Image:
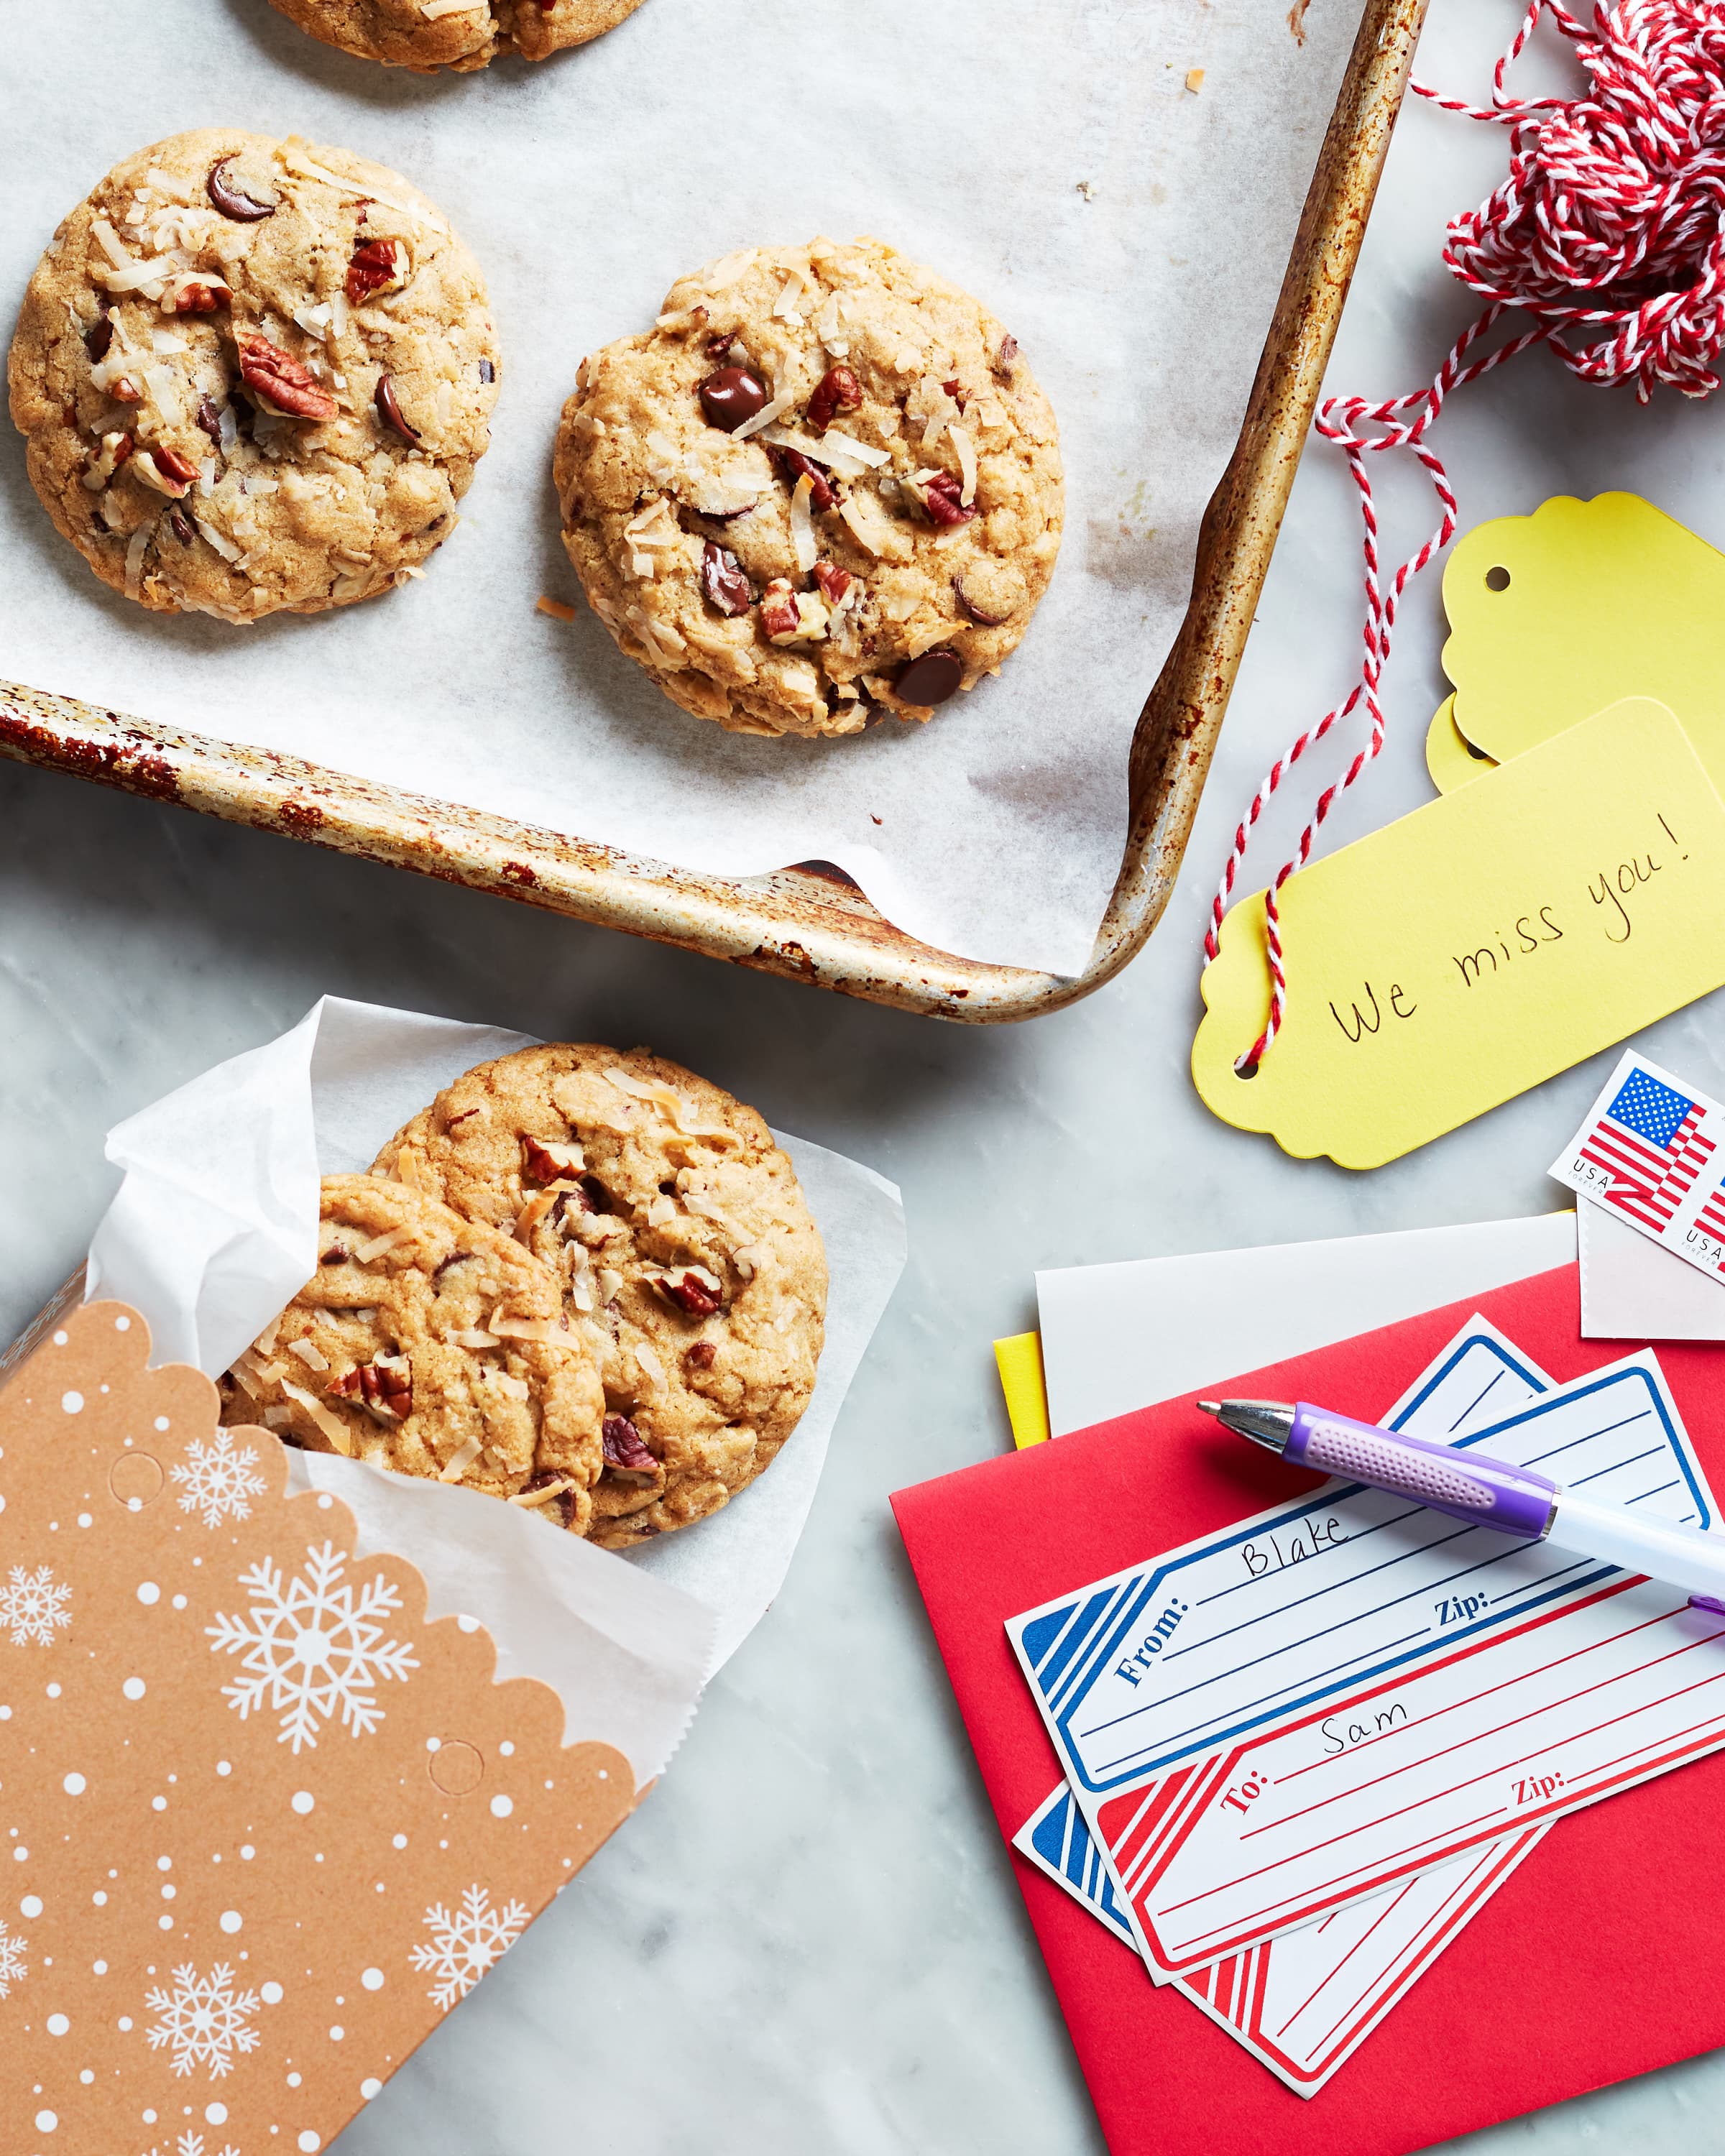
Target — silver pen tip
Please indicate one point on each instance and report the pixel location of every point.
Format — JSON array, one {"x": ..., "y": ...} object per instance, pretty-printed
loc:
[{"x": 1211, "y": 1407}]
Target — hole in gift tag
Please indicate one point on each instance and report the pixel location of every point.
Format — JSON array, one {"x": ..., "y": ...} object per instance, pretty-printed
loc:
[
  {"x": 457, "y": 1768},
  {"x": 135, "y": 1480},
  {"x": 1497, "y": 579}
]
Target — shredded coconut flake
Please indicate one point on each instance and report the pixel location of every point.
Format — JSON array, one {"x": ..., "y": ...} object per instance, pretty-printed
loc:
[
  {"x": 763, "y": 419},
  {"x": 526, "y": 1499},
  {"x": 365, "y": 1252},
  {"x": 472, "y": 1337},
  {"x": 786, "y": 307},
  {"x": 136, "y": 548},
  {"x": 727, "y": 270},
  {"x": 295, "y": 159},
  {"x": 650, "y": 1366},
  {"x": 967, "y": 461},
  {"x": 803, "y": 537},
  {"x": 528, "y": 1328},
  {"x": 558, "y": 609},
  {"x": 461, "y": 1459},
  {"x": 333, "y": 1427},
  {"x": 219, "y": 539},
  {"x": 432, "y": 9},
  {"x": 310, "y": 1354}
]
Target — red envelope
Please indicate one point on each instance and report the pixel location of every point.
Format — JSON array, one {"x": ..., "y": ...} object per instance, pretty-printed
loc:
[{"x": 1598, "y": 1959}]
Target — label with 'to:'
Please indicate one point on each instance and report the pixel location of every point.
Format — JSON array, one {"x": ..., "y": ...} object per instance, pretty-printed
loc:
[{"x": 1559, "y": 903}]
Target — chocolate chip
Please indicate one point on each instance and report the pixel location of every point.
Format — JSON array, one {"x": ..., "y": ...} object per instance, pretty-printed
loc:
[
  {"x": 563, "y": 1505},
  {"x": 972, "y": 612},
  {"x": 487, "y": 371},
  {"x": 794, "y": 465},
  {"x": 455, "y": 1258},
  {"x": 599, "y": 1199},
  {"x": 724, "y": 581},
  {"x": 210, "y": 420},
  {"x": 929, "y": 679},
  {"x": 336, "y": 1255},
  {"x": 732, "y": 397},
  {"x": 233, "y": 201},
  {"x": 100, "y": 334},
  {"x": 389, "y": 411},
  {"x": 181, "y": 526}
]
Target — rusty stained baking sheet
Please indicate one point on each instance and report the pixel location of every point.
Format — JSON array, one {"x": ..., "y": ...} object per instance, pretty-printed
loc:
[{"x": 813, "y": 923}]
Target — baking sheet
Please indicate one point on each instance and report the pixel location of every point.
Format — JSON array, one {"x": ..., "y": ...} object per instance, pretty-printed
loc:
[{"x": 1132, "y": 232}]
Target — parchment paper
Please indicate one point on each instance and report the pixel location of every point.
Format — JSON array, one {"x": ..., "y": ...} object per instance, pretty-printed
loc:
[
  {"x": 215, "y": 1228},
  {"x": 961, "y": 133}
]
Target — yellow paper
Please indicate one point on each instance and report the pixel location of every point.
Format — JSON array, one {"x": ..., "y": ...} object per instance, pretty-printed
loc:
[
  {"x": 1451, "y": 759},
  {"x": 1600, "y": 599},
  {"x": 1492, "y": 938},
  {"x": 1019, "y": 1363}
]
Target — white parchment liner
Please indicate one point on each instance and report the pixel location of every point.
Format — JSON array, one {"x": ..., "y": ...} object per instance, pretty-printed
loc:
[
  {"x": 961, "y": 132},
  {"x": 215, "y": 1228}
]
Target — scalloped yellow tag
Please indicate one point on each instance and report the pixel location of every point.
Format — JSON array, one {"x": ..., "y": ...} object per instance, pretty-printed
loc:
[
  {"x": 1451, "y": 757},
  {"x": 1547, "y": 909},
  {"x": 1558, "y": 615}
]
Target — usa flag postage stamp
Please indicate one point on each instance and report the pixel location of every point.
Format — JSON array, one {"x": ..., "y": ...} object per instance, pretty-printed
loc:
[
  {"x": 1652, "y": 1151},
  {"x": 1304, "y": 2003}
]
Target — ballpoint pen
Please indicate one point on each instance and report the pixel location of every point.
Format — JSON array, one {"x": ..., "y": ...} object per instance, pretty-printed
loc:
[{"x": 1490, "y": 1493}]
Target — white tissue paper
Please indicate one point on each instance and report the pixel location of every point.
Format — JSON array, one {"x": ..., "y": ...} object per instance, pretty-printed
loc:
[
  {"x": 1120, "y": 184},
  {"x": 215, "y": 1229}
]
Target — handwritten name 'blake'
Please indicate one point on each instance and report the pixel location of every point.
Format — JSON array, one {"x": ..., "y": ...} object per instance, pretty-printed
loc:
[{"x": 1612, "y": 892}]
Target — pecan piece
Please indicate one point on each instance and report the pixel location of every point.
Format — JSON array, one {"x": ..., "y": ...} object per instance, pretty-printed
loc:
[
  {"x": 838, "y": 390},
  {"x": 794, "y": 465},
  {"x": 390, "y": 413},
  {"x": 702, "y": 1355},
  {"x": 546, "y": 1163},
  {"x": 724, "y": 582},
  {"x": 383, "y": 1387},
  {"x": 778, "y": 609},
  {"x": 125, "y": 391},
  {"x": 835, "y": 582},
  {"x": 623, "y": 1448},
  {"x": 282, "y": 383},
  {"x": 939, "y": 497},
  {"x": 693, "y": 1289},
  {"x": 199, "y": 298},
  {"x": 1006, "y": 358},
  {"x": 166, "y": 470},
  {"x": 231, "y": 199},
  {"x": 376, "y": 263}
]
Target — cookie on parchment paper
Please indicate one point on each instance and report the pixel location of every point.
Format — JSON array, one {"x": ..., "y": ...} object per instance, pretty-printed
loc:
[
  {"x": 426, "y": 35},
  {"x": 254, "y": 376},
  {"x": 825, "y": 485},
  {"x": 682, "y": 1239},
  {"x": 433, "y": 1345}
]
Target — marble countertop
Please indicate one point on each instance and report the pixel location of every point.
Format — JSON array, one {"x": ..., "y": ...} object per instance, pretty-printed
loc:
[{"x": 809, "y": 1938}]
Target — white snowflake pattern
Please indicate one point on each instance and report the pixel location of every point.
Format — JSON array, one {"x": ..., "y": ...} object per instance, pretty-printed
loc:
[
  {"x": 189, "y": 2144},
  {"x": 204, "y": 2020},
  {"x": 311, "y": 1647},
  {"x": 218, "y": 1479},
  {"x": 32, "y": 1605},
  {"x": 466, "y": 1943},
  {"x": 13, "y": 1966}
]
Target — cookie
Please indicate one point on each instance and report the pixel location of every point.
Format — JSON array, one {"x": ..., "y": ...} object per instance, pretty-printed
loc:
[
  {"x": 686, "y": 1251},
  {"x": 825, "y": 485},
  {"x": 253, "y": 377},
  {"x": 433, "y": 1345},
  {"x": 464, "y": 35}
]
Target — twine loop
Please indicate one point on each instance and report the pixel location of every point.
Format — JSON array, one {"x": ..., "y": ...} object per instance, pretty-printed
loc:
[{"x": 1608, "y": 234}]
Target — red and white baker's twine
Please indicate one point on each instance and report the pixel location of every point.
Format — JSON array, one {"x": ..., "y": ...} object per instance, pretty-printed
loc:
[{"x": 1619, "y": 195}]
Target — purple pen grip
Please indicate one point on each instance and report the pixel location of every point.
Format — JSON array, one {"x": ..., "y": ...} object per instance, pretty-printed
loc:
[{"x": 1516, "y": 1501}]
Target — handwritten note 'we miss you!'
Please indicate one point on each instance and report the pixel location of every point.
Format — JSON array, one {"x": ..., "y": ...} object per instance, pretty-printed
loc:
[{"x": 1477, "y": 946}]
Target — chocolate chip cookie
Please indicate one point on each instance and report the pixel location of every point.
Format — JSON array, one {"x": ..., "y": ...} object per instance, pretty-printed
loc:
[
  {"x": 825, "y": 485},
  {"x": 253, "y": 377},
  {"x": 425, "y": 35},
  {"x": 433, "y": 1345},
  {"x": 684, "y": 1246}
]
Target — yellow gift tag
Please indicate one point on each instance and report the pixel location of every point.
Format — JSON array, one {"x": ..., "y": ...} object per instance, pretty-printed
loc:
[
  {"x": 1492, "y": 938},
  {"x": 1451, "y": 759},
  {"x": 1019, "y": 1363},
  {"x": 1555, "y": 615}
]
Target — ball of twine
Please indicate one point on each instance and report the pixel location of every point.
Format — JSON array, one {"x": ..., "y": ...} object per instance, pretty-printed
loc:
[{"x": 1607, "y": 232}]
